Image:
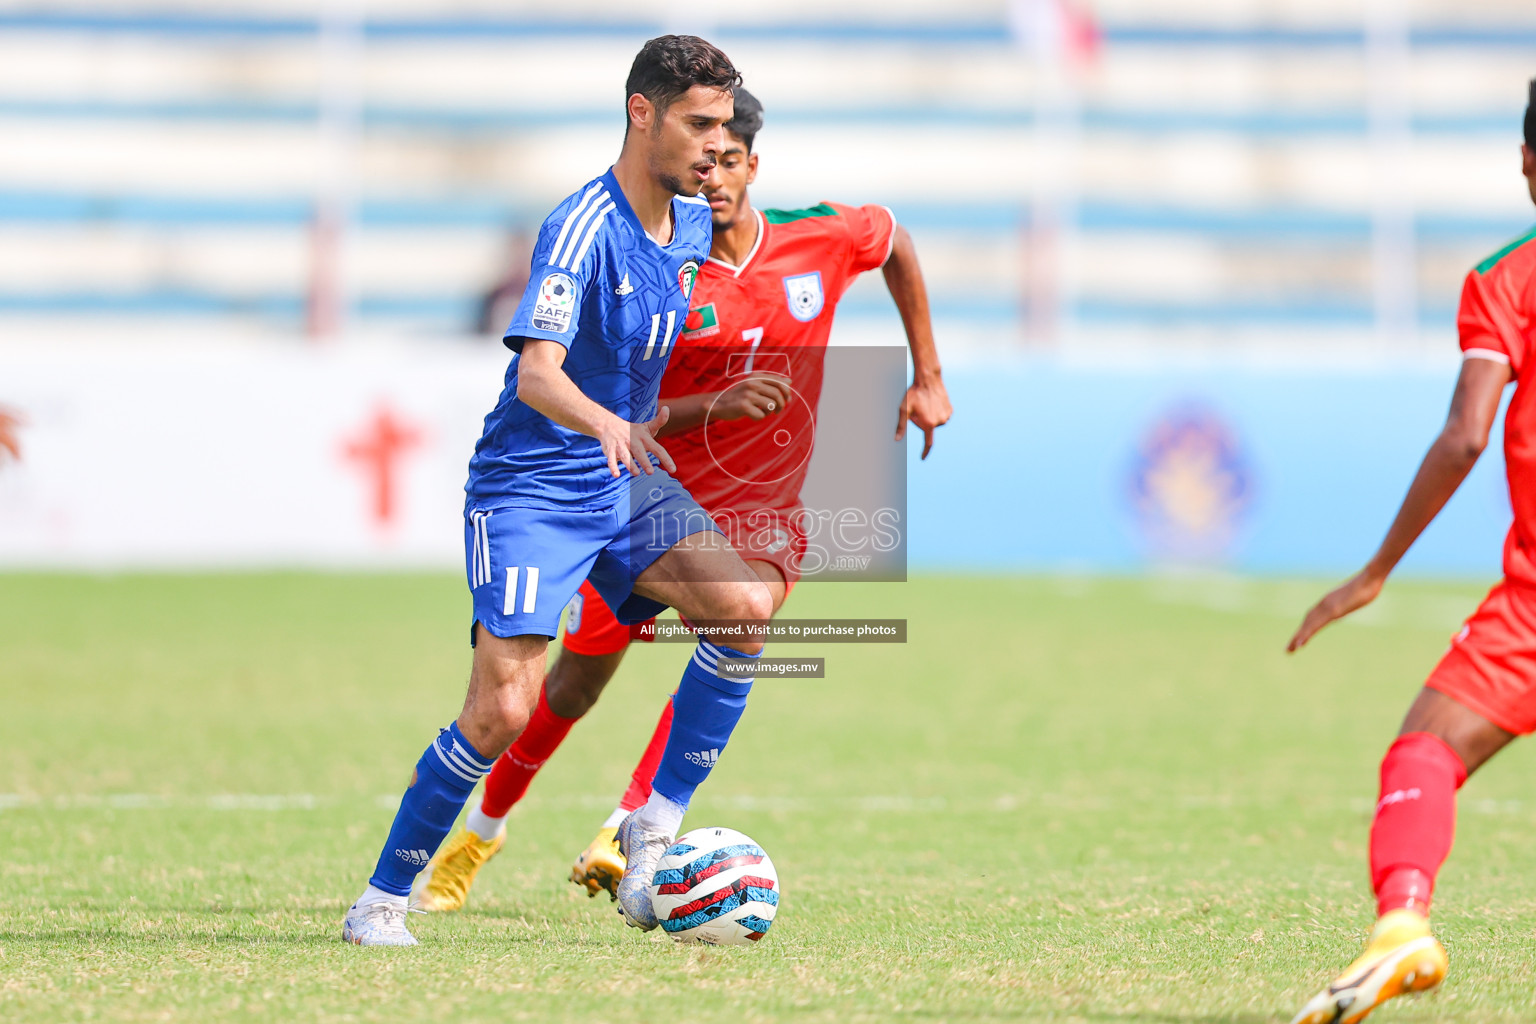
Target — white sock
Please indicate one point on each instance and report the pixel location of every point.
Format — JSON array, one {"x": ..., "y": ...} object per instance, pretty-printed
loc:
[
  {"x": 613, "y": 820},
  {"x": 374, "y": 894},
  {"x": 483, "y": 825},
  {"x": 661, "y": 815}
]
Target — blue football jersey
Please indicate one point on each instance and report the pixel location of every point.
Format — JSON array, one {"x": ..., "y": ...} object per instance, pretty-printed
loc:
[{"x": 616, "y": 299}]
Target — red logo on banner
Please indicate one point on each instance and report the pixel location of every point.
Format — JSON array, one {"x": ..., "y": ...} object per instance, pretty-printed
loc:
[
  {"x": 11, "y": 423},
  {"x": 377, "y": 449}
]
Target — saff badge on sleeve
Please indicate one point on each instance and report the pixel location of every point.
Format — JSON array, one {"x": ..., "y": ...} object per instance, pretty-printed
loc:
[{"x": 555, "y": 304}]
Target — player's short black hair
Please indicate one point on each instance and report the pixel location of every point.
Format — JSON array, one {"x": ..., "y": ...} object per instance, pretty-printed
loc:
[
  {"x": 1530, "y": 117},
  {"x": 668, "y": 66},
  {"x": 748, "y": 119}
]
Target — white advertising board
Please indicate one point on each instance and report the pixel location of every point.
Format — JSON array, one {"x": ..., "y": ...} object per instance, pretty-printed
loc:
[{"x": 160, "y": 455}]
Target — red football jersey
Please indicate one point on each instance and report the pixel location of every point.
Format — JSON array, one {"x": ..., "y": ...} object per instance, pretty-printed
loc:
[
  {"x": 773, "y": 313},
  {"x": 1497, "y": 321}
]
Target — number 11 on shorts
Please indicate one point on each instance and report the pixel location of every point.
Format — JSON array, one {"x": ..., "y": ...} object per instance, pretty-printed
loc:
[{"x": 530, "y": 595}]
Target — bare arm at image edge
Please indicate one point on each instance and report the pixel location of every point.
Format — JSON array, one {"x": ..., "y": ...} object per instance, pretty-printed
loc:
[
  {"x": 926, "y": 402},
  {"x": 1474, "y": 406}
]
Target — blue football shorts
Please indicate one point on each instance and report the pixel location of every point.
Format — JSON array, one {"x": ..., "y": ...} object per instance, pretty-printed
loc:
[{"x": 525, "y": 561}]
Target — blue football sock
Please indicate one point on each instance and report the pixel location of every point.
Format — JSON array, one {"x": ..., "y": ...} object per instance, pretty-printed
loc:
[
  {"x": 445, "y": 776},
  {"x": 705, "y": 709}
]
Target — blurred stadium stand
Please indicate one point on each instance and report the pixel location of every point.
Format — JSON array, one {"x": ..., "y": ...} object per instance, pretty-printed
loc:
[{"x": 1315, "y": 175}]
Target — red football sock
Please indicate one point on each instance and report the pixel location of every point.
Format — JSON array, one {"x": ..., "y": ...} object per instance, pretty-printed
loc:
[
  {"x": 516, "y": 768},
  {"x": 639, "y": 790},
  {"x": 1415, "y": 820}
]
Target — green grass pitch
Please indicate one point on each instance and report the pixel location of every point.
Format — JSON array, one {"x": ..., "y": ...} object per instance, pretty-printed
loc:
[{"x": 1062, "y": 799}]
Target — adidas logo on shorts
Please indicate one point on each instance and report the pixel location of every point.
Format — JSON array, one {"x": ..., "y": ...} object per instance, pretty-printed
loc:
[{"x": 416, "y": 857}]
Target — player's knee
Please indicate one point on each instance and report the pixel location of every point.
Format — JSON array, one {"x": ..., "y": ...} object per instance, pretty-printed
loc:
[
  {"x": 750, "y": 605},
  {"x": 508, "y": 720},
  {"x": 759, "y": 603},
  {"x": 496, "y": 715},
  {"x": 745, "y": 603}
]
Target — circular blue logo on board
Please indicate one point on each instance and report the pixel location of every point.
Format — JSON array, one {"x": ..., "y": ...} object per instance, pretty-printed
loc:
[{"x": 1191, "y": 484}]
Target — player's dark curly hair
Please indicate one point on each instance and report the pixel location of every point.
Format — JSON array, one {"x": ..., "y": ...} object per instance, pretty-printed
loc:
[
  {"x": 748, "y": 119},
  {"x": 668, "y": 66},
  {"x": 1530, "y": 117}
]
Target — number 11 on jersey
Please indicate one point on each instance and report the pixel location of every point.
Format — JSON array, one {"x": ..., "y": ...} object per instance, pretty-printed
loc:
[{"x": 666, "y": 339}]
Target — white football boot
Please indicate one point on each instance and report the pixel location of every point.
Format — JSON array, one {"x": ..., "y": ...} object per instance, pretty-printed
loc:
[
  {"x": 378, "y": 924},
  {"x": 641, "y": 849}
]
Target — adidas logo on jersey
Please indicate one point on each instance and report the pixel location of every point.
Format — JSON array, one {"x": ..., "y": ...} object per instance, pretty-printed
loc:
[
  {"x": 624, "y": 287},
  {"x": 417, "y": 857},
  {"x": 703, "y": 758}
]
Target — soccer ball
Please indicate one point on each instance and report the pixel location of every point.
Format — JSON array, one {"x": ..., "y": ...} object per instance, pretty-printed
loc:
[{"x": 716, "y": 886}]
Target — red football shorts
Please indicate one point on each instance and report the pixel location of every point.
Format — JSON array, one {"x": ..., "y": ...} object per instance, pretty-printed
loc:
[
  {"x": 591, "y": 628},
  {"x": 767, "y": 536},
  {"x": 1491, "y": 666}
]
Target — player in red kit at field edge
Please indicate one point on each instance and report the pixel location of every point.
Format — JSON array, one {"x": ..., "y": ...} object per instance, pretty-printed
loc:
[
  {"x": 742, "y": 388},
  {"x": 1482, "y": 694}
]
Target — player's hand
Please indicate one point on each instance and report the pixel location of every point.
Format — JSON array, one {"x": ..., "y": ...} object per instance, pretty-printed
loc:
[
  {"x": 757, "y": 397},
  {"x": 644, "y": 439},
  {"x": 926, "y": 404},
  {"x": 1357, "y": 592},
  {"x": 9, "y": 422},
  {"x": 631, "y": 444}
]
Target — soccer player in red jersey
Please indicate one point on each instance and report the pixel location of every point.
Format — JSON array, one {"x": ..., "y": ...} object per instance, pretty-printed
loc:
[
  {"x": 1482, "y": 694},
  {"x": 742, "y": 389}
]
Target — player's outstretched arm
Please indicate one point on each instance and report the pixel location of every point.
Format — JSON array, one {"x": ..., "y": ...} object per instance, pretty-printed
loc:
[
  {"x": 926, "y": 402},
  {"x": 1445, "y": 466},
  {"x": 544, "y": 386},
  {"x": 756, "y": 397}
]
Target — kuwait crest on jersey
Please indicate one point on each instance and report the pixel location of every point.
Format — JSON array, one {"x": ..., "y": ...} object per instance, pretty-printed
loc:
[
  {"x": 804, "y": 294},
  {"x": 701, "y": 323},
  {"x": 686, "y": 275}
]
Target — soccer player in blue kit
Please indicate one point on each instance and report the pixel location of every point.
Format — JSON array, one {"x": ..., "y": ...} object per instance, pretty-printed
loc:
[{"x": 568, "y": 483}]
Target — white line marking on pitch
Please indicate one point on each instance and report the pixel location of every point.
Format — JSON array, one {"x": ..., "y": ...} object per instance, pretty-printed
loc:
[{"x": 866, "y": 804}]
